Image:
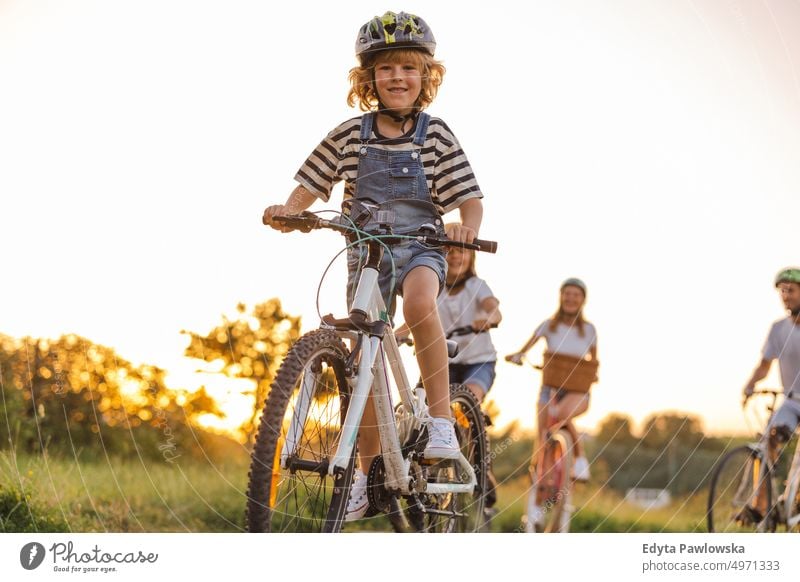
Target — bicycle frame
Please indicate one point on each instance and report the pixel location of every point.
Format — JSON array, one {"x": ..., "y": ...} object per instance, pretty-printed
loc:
[
  {"x": 372, "y": 374},
  {"x": 793, "y": 478},
  {"x": 792, "y": 488}
]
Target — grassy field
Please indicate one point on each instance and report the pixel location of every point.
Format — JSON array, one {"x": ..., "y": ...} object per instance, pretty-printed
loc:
[
  {"x": 602, "y": 510},
  {"x": 97, "y": 495}
]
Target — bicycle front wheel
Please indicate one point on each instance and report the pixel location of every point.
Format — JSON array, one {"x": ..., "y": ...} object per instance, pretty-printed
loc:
[
  {"x": 733, "y": 504},
  {"x": 289, "y": 487}
]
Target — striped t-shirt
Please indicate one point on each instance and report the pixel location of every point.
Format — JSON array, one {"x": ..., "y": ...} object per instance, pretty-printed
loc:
[{"x": 450, "y": 178}]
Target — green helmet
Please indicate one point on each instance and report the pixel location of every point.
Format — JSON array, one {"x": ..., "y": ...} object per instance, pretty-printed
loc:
[
  {"x": 394, "y": 30},
  {"x": 788, "y": 275},
  {"x": 575, "y": 282}
]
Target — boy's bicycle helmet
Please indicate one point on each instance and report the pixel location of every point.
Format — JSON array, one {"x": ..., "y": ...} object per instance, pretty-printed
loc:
[
  {"x": 394, "y": 30},
  {"x": 574, "y": 281},
  {"x": 788, "y": 275}
]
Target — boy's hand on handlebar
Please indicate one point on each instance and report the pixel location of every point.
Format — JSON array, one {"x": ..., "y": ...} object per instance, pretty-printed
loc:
[
  {"x": 460, "y": 233},
  {"x": 275, "y": 210}
]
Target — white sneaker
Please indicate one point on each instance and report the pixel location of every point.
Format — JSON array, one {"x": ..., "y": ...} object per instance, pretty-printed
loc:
[
  {"x": 442, "y": 442},
  {"x": 566, "y": 515},
  {"x": 534, "y": 519},
  {"x": 580, "y": 471},
  {"x": 358, "y": 503}
]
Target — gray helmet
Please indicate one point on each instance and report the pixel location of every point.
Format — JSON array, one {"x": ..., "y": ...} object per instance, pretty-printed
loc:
[
  {"x": 394, "y": 30},
  {"x": 788, "y": 275},
  {"x": 575, "y": 282}
]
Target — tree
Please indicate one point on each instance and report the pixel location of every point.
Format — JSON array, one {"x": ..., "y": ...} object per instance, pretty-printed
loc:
[
  {"x": 661, "y": 429},
  {"x": 251, "y": 346},
  {"x": 70, "y": 393},
  {"x": 616, "y": 429}
]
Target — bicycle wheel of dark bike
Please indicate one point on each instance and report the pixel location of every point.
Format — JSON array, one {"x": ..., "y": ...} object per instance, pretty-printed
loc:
[
  {"x": 458, "y": 512},
  {"x": 732, "y": 495},
  {"x": 289, "y": 487}
]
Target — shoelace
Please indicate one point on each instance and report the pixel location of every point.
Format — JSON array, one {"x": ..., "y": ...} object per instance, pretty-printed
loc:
[
  {"x": 357, "y": 486},
  {"x": 441, "y": 431}
]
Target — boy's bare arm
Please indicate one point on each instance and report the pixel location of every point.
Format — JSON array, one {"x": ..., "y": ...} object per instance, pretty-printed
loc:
[
  {"x": 300, "y": 199},
  {"x": 471, "y": 216}
]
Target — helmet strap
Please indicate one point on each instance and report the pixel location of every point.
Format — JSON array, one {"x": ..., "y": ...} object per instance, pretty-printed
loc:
[{"x": 396, "y": 116}]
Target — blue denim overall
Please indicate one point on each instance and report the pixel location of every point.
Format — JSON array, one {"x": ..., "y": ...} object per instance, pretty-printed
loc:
[{"x": 393, "y": 184}]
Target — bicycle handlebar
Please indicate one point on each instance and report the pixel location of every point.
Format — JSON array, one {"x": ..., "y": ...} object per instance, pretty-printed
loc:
[
  {"x": 767, "y": 391},
  {"x": 761, "y": 392},
  {"x": 307, "y": 221},
  {"x": 459, "y": 331},
  {"x": 468, "y": 329},
  {"x": 522, "y": 361}
]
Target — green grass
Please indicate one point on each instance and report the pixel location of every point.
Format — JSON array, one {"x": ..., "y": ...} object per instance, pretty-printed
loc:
[
  {"x": 602, "y": 510},
  {"x": 93, "y": 494}
]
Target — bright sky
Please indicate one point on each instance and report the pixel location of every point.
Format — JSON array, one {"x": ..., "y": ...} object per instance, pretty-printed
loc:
[{"x": 650, "y": 148}]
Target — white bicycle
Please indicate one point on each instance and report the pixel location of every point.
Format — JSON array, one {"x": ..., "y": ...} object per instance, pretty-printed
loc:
[{"x": 303, "y": 460}]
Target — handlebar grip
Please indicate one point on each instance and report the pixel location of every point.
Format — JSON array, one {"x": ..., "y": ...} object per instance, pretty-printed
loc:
[
  {"x": 305, "y": 222},
  {"x": 487, "y": 246}
]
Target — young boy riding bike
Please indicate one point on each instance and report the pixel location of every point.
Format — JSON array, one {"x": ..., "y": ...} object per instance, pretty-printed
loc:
[{"x": 402, "y": 167}]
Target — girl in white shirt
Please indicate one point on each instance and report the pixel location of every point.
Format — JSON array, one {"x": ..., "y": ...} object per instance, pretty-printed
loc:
[
  {"x": 467, "y": 301},
  {"x": 568, "y": 333}
]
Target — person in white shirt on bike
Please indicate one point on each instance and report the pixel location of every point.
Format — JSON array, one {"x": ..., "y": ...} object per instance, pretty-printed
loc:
[
  {"x": 782, "y": 344},
  {"x": 566, "y": 332}
]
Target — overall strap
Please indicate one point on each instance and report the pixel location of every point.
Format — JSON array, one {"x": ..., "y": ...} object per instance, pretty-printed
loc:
[
  {"x": 422, "y": 129},
  {"x": 366, "y": 126}
]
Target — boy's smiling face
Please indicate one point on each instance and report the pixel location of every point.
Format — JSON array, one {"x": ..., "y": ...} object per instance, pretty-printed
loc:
[{"x": 398, "y": 83}]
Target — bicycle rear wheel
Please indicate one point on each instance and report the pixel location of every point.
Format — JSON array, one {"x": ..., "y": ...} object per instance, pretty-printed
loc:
[
  {"x": 732, "y": 495},
  {"x": 554, "y": 483},
  {"x": 459, "y": 512},
  {"x": 289, "y": 487}
]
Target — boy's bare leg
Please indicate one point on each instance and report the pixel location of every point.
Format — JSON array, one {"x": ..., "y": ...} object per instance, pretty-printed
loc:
[{"x": 420, "y": 289}]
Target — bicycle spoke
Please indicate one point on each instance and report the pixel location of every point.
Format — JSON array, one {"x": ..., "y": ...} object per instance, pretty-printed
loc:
[
  {"x": 734, "y": 491},
  {"x": 308, "y": 401}
]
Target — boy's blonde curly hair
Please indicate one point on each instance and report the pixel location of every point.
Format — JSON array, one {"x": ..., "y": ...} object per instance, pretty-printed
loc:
[{"x": 362, "y": 78}]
